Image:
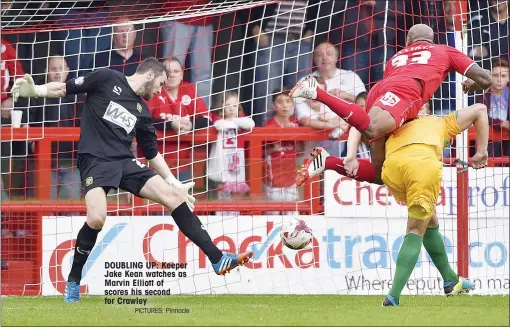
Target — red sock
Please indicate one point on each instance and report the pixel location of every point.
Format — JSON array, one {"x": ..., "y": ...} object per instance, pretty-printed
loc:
[
  {"x": 353, "y": 114},
  {"x": 366, "y": 171}
]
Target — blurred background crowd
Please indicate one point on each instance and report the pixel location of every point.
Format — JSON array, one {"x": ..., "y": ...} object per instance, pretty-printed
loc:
[{"x": 232, "y": 71}]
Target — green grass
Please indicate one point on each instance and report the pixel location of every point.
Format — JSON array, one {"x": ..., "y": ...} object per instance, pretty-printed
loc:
[{"x": 261, "y": 310}]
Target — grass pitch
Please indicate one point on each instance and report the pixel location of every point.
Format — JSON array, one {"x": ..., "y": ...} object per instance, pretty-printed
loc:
[{"x": 259, "y": 310}]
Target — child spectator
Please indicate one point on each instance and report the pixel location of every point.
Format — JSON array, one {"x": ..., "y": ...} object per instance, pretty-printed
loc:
[
  {"x": 281, "y": 170},
  {"x": 179, "y": 109},
  {"x": 225, "y": 168},
  {"x": 318, "y": 116},
  {"x": 498, "y": 101}
]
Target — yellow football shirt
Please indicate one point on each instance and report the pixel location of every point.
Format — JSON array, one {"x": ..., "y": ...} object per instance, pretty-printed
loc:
[{"x": 431, "y": 130}]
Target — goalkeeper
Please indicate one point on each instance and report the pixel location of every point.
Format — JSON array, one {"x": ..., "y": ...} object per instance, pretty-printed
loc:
[
  {"x": 114, "y": 114},
  {"x": 412, "y": 170}
]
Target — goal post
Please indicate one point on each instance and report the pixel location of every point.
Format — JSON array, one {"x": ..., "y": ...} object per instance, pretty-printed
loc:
[
  {"x": 462, "y": 145},
  {"x": 240, "y": 55}
]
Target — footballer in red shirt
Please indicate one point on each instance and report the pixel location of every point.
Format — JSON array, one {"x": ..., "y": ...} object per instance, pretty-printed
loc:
[
  {"x": 177, "y": 108},
  {"x": 411, "y": 76}
]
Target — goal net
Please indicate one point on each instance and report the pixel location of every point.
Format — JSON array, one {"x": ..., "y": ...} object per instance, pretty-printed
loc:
[{"x": 225, "y": 122}]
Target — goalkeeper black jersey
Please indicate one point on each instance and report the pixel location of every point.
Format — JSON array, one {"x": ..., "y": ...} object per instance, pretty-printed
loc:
[{"x": 113, "y": 114}]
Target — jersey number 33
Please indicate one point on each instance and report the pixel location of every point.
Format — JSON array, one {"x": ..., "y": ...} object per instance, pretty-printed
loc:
[{"x": 420, "y": 57}]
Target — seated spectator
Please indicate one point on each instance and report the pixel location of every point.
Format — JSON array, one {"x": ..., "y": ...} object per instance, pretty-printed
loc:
[
  {"x": 488, "y": 33},
  {"x": 61, "y": 112},
  {"x": 179, "y": 109},
  {"x": 123, "y": 56},
  {"x": 226, "y": 164},
  {"x": 193, "y": 37},
  {"x": 281, "y": 157},
  {"x": 344, "y": 84},
  {"x": 498, "y": 101},
  {"x": 312, "y": 113}
]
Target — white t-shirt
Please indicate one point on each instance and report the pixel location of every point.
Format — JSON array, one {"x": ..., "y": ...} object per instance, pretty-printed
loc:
[
  {"x": 344, "y": 80},
  {"x": 226, "y": 160}
]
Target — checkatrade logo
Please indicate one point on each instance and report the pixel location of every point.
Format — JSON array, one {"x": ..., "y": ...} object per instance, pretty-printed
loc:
[{"x": 349, "y": 252}]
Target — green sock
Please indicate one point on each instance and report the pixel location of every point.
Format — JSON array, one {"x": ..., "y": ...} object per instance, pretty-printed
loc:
[
  {"x": 407, "y": 258},
  {"x": 433, "y": 243}
]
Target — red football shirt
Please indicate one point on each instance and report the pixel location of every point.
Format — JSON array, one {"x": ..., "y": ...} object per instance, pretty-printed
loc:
[
  {"x": 282, "y": 166},
  {"x": 186, "y": 105},
  {"x": 429, "y": 63},
  {"x": 10, "y": 67}
]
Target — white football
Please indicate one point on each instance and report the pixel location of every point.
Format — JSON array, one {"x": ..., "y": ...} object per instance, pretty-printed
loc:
[{"x": 295, "y": 234}]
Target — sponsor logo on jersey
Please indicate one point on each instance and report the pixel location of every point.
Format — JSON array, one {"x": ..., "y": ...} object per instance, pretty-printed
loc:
[
  {"x": 347, "y": 118},
  {"x": 186, "y": 100},
  {"x": 79, "y": 80},
  {"x": 390, "y": 99},
  {"x": 139, "y": 107},
  {"x": 89, "y": 181},
  {"x": 120, "y": 116},
  {"x": 117, "y": 90}
]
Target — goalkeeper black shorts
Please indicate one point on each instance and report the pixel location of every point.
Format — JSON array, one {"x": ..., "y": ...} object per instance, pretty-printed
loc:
[{"x": 127, "y": 174}]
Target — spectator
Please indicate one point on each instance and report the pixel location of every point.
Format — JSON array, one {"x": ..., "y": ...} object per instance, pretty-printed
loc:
[
  {"x": 179, "y": 109},
  {"x": 281, "y": 156},
  {"x": 6, "y": 107},
  {"x": 489, "y": 33},
  {"x": 363, "y": 37},
  {"x": 17, "y": 156},
  {"x": 445, "y": 97},
  {"x": 79, "y": 46},
  {"x": 363, "y": 149},
  {"x": 226, "y": 164},
  {"x": 123, "y": 56},
  {"x": 61, "y": 112},
  {"x": 345, "y": 84},
  {"x": 282, "y": 50},
  {"x": 281, "y": 60},
  {"x": 193, "y": 37},
  {"x": 18, "y": 163},
  {"x": 498, "y": 101},
  {"x": 316, "y": 115},
  {"x": 10, "y": 67}
]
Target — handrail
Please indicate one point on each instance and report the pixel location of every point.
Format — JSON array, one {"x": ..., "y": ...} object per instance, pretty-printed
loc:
[{"x": 254, "y": 142}]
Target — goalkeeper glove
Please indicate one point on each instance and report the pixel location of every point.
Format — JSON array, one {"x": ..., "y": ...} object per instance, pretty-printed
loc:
[
  {"x": 183, "y": 189},
  {"x": 25, "y": 87}
]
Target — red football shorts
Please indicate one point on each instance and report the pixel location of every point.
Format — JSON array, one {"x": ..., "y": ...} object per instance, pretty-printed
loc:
[{"x": 400, "y": 97}]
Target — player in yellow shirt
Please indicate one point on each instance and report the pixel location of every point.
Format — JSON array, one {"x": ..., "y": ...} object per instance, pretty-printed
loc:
[{"x": 412, "y": 170}]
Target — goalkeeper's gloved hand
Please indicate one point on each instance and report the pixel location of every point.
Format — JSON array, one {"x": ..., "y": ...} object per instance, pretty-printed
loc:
[
  {"x": 25, "y": 87},
  {"x": 183, "y": 189}
]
